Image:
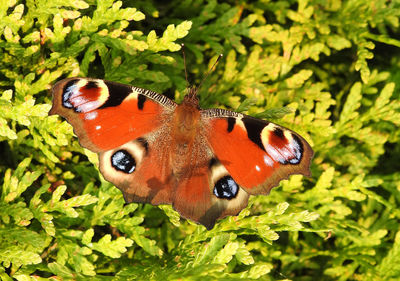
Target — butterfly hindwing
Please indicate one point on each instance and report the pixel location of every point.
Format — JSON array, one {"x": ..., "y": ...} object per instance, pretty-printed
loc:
[
  {"x": 142, "y": 174},
  {"x": 106, "y": 114},
  {"x": 257, "y": 154},
  {"x": 206, "y": 192}
]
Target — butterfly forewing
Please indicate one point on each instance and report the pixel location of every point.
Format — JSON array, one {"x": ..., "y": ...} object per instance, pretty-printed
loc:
[
  {"x": 106, "y": 114},
  {"x": 257, "y": 154}
]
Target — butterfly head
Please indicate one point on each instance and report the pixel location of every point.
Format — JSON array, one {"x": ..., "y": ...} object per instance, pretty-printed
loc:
[{"x": 191, "y": 98}]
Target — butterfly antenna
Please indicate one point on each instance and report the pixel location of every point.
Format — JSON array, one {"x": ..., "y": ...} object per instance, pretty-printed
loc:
[
  {"x": 184, "y": 63},
  {"x": 209, "y": 71}
]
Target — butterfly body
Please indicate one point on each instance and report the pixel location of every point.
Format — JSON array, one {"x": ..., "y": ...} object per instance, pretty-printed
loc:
[
  {"x": 205, "y": 163},
  {"x": 186, "y": 122}
]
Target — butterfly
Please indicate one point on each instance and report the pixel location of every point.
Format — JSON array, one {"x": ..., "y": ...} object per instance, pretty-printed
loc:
[{"x": 206, "y": 163}]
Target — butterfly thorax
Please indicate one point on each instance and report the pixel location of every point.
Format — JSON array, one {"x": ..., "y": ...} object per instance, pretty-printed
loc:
[{"x": 186, "y": 121}]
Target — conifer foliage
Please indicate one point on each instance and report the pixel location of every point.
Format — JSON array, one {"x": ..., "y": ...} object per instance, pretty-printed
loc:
[{"x": 327, "y": 69}]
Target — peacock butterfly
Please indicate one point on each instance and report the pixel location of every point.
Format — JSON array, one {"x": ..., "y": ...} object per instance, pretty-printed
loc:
[{"x": 205, "y": 163}]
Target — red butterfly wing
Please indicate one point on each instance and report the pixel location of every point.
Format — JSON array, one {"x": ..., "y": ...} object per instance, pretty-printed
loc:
[
  {"x": 120, "y": 123},
  {"x": 198, "y": 192},
  {"x": 257, "y": 154},
  {"x": 106, "y": 114},
  {"x": 142, "y": 174}
]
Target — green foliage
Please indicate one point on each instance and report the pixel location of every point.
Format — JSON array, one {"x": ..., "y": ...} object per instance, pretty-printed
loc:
[{"x": 327, "y": 69}]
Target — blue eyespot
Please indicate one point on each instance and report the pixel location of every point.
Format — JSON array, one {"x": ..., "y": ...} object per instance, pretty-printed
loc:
[
  {"x": 226, "y": 188},
  {"x": 123, "y": 161}
]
